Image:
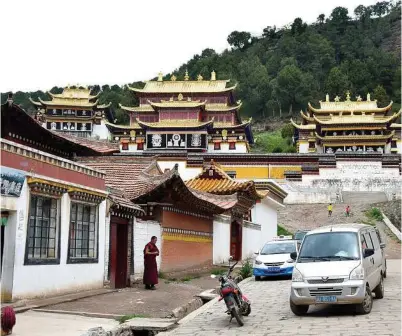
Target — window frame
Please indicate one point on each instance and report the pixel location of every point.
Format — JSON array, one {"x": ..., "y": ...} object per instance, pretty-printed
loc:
[
  {"x": 39, "y": 261},
  {"x": 124, "y": 146},
  {"x": 140, "y": 144},
  {"x": 232, "y": 145},
  {"x": 217, "y": 146},
  {"x": 84, "y": 260}
]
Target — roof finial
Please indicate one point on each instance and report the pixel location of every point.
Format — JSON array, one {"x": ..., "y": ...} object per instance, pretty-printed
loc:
[
  {"x": 358, "y": 98},
  {"x": 200, "y": 77},
  {"x": 368, "y": 97},
  {"x": 160, "y": 76},
  {"x": 327, "y": 97},
  {"x": 213, "y": 75},
  {"x": 186, "y": 76},
  {"x": 173, "y": 78},
  {"x": 337, "y": 99},
  {"x": 347, "y": 95}
]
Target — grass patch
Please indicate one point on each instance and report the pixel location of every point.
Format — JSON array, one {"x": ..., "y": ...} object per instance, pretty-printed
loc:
[
  {"x": 125, "y": 318},
  {"x": 219, "y": 271},
  {"x": 272, "y": 142},
  {"x": 162, "y": 275},
  {"x": 246, "y": 270},
  {"x": 374, "y": 214},
  {"x": 283, "y": 232},
  {"x": 188, "y": 278}
]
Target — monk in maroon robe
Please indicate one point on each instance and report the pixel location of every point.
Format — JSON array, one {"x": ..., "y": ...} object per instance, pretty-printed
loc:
[{"x": 150, "y": 266}]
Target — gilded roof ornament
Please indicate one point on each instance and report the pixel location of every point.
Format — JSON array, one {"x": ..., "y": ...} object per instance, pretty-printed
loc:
[
  {"x": 358, "y": 98},
  {"x": 173, "y": 78},
  {"x": 186, "y": 76},
  {"x": 337, "y": 99},
  {"x": 213, "y": 75},
  {"x": 180, "y": 97},
  {"x": 189, "y": 99},
  {"x": 368, "y": 97},
  {"x": 347, "y": 95},
  {"x": 171, "y": 99},
  {"x": 160, "y": 77},
  {"x": 327, "y": 97},
  {"x": 200, "y": 78}
]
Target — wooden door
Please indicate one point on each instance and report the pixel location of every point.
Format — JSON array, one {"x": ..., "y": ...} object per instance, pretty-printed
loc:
[
  {"x": 236, "y": 240},
  {"x": 118, "y": 253}
]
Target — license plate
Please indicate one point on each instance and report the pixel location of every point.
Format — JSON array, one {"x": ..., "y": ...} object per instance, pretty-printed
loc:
[
  {"x": 273, "y": 269},
  {"x": 325, "y": 299}
]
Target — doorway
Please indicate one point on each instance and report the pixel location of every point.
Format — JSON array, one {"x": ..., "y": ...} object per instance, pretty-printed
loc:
[
  {"x": 118, "y": 252},
  {"x": 236, "y": 240}
]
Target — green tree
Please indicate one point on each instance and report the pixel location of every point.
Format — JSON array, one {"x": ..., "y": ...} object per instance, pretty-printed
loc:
[
  {"x": 337, "y": 82},
  {"x": 381, "y": 95},
  {"x": 287, "y": 131},
  {"x": 239, "y": 40}
]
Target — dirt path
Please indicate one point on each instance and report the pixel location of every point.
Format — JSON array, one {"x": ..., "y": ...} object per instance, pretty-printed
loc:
[{"x": 141, "y": 302}]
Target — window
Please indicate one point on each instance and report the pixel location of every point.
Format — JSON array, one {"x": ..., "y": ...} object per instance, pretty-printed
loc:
[
  {"x": 140, "y": 146},
  {"x": 369, "y": 242},
  {"x": 232, "y": 145},
  {"x": 217, "y": 145},
  {"x": 43, "y": 231},
  {"x": 393, "y": 144},
  {"x": 375, "y": 240},
  {"x": 124, "y": 146},
  {"x": 83, "y": 242}
]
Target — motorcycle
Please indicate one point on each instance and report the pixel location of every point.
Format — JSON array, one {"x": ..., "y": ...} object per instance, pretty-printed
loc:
[{"x": 236, "y": 302}]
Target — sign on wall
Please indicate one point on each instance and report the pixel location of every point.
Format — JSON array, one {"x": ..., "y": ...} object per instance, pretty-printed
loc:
[
  {"x": 12, "y": 181},
  {"x": 177, "y": 141}
]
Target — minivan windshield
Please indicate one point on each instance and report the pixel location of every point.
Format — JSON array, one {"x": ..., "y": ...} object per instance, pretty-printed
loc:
[
  {"x": 278, "y": 248},
  {"x": 300, "y": 235},
  {"x": 330, "y": 246}
]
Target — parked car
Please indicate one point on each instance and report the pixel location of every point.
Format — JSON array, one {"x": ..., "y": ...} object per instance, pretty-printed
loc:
[
  {"x": 299, "y": 235},
  {"x": 338, "y": 264},
  {"x": 274, "y": 258}
]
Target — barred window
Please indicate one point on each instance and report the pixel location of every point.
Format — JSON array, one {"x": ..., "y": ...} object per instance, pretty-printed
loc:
[
  {"x": 43, "y": 231},
  {"x": 83, "y": 244}
]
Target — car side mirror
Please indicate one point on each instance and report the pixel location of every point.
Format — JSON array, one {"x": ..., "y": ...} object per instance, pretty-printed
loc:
[
  {"x": 368, "y": 252},
  {"x": 382, "y": 245},
  {"x": 230, "y": 258},
  {"x": 257, "y": 252},
  {"x": 293, "y": 255}
]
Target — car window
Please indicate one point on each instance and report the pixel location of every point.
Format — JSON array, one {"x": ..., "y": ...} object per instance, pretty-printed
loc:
[
  {"x": 363, "y": 241},
  {"x": 369, "y": 242},
  {"x": 332, "y": 245},
  {"x": 280, "y": 248},
  {"x": 375, "y": 241}
]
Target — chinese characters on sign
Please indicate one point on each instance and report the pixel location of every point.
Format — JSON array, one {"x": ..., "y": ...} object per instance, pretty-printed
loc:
[{"x": 12, "y": 181}]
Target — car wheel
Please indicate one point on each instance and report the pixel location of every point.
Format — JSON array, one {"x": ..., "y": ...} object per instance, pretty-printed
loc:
[
  {"x": 379, "y": 290},
  {"x": 257, "y": 278},
  {"x": 298, "y": 310},
  {"x": 367, "y": 304}
]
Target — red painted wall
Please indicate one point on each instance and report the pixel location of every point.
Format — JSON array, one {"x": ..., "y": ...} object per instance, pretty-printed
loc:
[{"x": 13, "y": 160}]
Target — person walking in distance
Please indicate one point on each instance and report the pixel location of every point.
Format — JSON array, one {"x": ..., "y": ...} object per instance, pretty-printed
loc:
[
  {"x": 348, "y": 211},
  {"x": 150, "y": 267},
  {"x": 330, "y": 210}
]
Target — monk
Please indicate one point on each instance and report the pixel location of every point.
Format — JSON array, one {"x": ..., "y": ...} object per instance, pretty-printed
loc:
[{"x": 150, "y": 267}]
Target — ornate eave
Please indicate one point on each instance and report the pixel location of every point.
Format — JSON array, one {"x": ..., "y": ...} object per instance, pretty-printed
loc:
[
  {"x": 143, "y": 108},
  {"x": 174, "y": 124},
  {"x": 122, "y": 127},
  {"x": 104, "y": 106},
  {"x": 177, "y": 104},
  {"x": 303, "y": 127},
  {"x": 224, "y": 108},
  {"x": 213, "y": 86},
  {"x": 230, "y": 126},
  {"x": 306, "y": 117},
  {"x": 356, "y": 119},
  {"x": 35, "y": 102},
  {"x": 355, "y": 137},
  {"x": 68, "y": 102},
  {"x": 352, "y": 106}
]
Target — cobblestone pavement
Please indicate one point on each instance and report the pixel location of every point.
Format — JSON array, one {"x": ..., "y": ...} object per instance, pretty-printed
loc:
[{"x": 271, "y": 314}]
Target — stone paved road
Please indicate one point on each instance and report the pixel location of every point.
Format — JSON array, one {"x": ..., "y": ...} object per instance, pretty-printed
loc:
[{"x": 271, "y": 314}]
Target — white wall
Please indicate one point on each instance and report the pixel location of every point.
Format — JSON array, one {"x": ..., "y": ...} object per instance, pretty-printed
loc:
[
  {"x": 303, "y": 147},
  {"x": 132, "y": 147},
  {"x": 42, "y": 280},
  {"x": 107, "y": 245},
  {"x": 185, "y": 172},
  {"x": 221, "y": 240},
  {"x": 251, "y": 239},
  {"x": 241, "y": 147},
  {"x": 142, "y": 233},
  {"x": 100, "y": 130},
  {"x": 265, "y": 214}
]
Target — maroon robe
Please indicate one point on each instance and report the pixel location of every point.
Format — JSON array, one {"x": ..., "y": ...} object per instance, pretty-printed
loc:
[{"x": 150, "y": 266}]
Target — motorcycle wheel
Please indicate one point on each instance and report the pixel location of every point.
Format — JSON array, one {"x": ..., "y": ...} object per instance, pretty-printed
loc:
[
  {"x": 248, "y": 310},
  {"x": 237, "y": 316}
]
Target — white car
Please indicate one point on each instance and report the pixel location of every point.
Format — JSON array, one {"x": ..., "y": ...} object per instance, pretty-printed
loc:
[{"x": 274, "y": 258}]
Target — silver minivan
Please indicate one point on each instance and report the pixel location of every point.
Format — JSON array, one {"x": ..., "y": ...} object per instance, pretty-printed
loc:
[{"x": 338, "y": 264}]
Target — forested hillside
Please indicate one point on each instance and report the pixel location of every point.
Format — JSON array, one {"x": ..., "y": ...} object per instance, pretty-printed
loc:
[{"x": 284, "y": 68}]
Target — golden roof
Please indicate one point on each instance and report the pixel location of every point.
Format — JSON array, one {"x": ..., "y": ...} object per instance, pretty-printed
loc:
[
  {"x": 348, "y": 105},
  {"x": 230, "y": 125},
  {"x": 123, "y": 127},
  {"x": 306, "y": 117},
  {"x": 198, "y": 86},
  {"x": 74, "y": 97},
  {"x": 395, "y": 125},
  {"x": 356, "y": 137},
  {"x": 177, "y": 103},
  {"x": 356, "y": 119},
  {"x": 185, "y": 123},
  {"x": 215, "y": 181},
  {"x": 222, "y": 107},
  {"x": 304, "y": 127},
  {"x": 142, "y": 108}
]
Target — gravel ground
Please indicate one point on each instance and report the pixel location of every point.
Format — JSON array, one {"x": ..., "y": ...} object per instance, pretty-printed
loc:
[{"x": 138, "y": 301}]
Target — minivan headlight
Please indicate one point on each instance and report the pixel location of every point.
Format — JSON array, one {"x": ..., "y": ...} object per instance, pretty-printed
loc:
[
  {"x": 258, "y": 262},
  {"x": 357, "y": 273},
  {"x": 296, "y": 275}
]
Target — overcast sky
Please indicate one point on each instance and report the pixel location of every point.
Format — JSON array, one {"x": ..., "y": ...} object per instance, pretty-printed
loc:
[{"x": 55, "y": 43}]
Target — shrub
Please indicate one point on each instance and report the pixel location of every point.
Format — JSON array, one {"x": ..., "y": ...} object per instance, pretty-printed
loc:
[
  {"x": 277, "y": 150},
  {"x": 375, "y": 213},
  {"x": 246, "y": 270},
  {"x": 281, "y": 231}
]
